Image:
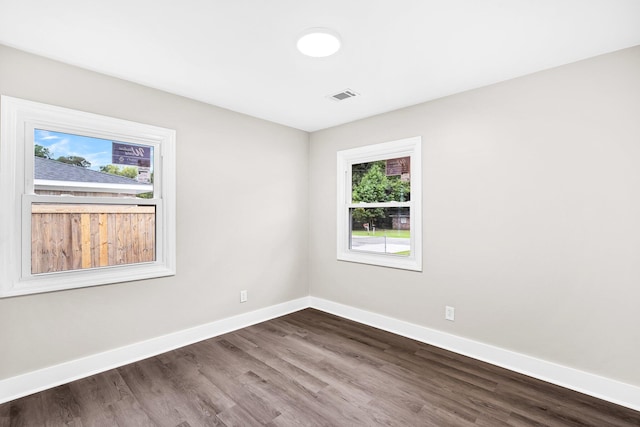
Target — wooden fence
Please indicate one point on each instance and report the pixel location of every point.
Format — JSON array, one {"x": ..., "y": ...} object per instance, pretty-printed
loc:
[{"x": 71, "y": 237}]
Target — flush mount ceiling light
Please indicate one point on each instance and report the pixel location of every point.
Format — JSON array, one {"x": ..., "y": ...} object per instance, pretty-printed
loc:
[{"x": 319, "y": 42}]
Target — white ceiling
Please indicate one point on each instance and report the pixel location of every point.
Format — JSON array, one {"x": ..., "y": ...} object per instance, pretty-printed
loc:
[{"x": 241, "y": 55}]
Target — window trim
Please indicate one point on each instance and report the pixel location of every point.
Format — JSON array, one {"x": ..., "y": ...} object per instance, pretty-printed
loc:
[
  {"x": 408, "y": 147},
  {"x": 18, "y": 118}
]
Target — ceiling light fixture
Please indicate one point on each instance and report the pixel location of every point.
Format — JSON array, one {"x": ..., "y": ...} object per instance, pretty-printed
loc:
[{"x": 319, "y": 42}]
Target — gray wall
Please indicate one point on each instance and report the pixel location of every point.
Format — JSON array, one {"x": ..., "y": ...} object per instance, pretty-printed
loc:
[
  {"x": 531, "y": 216},
  {"x": 237, "y": 179}
]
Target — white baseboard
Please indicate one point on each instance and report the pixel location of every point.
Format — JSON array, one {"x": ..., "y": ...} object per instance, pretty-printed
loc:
[
  {"x": 584, "y": 382},
  {"x": 42, "y": 379},
  {"x": 603, "y": 388}
]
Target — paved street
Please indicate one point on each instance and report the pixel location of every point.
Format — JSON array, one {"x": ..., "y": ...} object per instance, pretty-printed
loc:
[{"x": 380, "y": 244}]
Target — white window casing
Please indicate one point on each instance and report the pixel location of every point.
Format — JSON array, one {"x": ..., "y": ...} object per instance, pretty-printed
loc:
[
  {"x": 18, "y": 120},
  {"x": 409, "y": 147}
]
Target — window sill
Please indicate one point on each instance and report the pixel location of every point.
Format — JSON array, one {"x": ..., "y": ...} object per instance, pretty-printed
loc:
[
  {"x": 73, "y": 279},
  {"x": 383, "y": 260}
]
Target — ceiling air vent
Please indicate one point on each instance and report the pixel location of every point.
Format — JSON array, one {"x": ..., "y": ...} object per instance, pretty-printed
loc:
[{"x": 345, "y": 94}]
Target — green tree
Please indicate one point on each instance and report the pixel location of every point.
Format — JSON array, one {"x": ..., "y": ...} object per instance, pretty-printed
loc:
[
  {"x": 75, "y": 160},
  {"x": 41, "y": 151},
  {"x": 128, "y": 171},
  {"x": 112, "y": 169},
  {"x": 371, "y": 184}
]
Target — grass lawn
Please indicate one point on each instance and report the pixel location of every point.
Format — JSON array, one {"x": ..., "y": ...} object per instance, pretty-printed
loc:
[{"x": 379, "y": 232}]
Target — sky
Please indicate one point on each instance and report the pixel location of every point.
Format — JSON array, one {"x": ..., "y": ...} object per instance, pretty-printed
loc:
[{"x": 95, "y": 150}]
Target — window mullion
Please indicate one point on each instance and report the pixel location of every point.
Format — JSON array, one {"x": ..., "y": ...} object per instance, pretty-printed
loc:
[{"x": 379, "y": 205}]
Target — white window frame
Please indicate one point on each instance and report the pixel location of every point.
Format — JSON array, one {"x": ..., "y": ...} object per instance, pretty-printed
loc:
[
  {"x": 409, "y": 147},
  {"x": 17, "y": 121}
]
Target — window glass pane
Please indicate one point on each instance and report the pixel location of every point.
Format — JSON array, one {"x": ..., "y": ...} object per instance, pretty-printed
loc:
[
  {"x": 382, "y": 181},
  {"x": 72, "y": 236},
  {"x": 380, "y": 230},
  {"x": 86, "y": 166}
]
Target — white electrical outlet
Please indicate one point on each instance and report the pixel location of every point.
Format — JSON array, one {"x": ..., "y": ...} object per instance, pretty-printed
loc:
[
  {"x": 449, "y": 313},
  {"x": 243, "y": 296}
]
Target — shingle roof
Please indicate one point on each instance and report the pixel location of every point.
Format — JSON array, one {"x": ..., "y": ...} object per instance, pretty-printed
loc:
[{"x": 52, "y": 170}]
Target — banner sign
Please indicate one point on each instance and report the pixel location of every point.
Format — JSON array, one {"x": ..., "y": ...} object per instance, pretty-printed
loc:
[
  {"x": 130, "y": 155},
  {"x": 398, "y": 166}
]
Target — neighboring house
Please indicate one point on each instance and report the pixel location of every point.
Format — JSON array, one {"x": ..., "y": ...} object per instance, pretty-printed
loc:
[{"x": 54, "y": 178}]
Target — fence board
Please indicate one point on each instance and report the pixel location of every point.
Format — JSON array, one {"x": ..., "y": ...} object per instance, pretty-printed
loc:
[
  {"x": 46, "y": 243},
  {"x": 76, "y": 241},
  {"x": 103, "y": 240},
  {"x": 111, "y": 241},
  {"x": 36, "y": 246},
  {"x": 66, "y": 249},
  {"x": 120, "y": 239},
  {"x": 85, "y": 243}
]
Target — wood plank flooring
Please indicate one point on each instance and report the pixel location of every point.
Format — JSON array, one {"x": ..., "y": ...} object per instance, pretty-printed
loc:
[{"x": 311, "y": 369}]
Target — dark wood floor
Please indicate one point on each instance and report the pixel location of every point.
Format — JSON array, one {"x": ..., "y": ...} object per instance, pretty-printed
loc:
[{"x": 311, "y": 369}]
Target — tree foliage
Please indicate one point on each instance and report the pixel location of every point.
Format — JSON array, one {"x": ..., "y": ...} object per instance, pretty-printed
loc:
[
  {"x": 128, "y": 171},
  {"x": 75, "y": 160},
  {"x": 43, "y": 152}
]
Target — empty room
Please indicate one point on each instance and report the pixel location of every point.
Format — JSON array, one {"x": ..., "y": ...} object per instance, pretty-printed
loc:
[{"x": 336, "y": 213}]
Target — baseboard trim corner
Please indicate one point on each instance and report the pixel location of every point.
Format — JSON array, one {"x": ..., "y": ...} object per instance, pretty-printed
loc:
[
  {"x": 600, "y": 387},
  {"x": 32, "y": 382}
]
